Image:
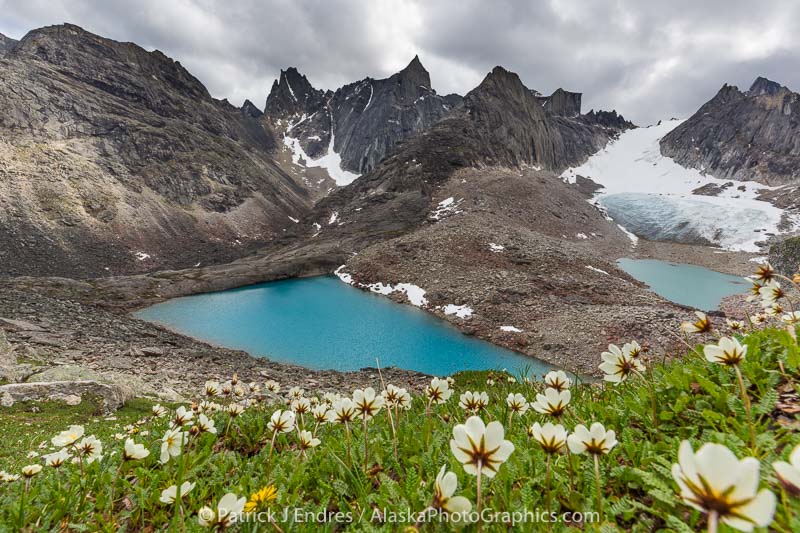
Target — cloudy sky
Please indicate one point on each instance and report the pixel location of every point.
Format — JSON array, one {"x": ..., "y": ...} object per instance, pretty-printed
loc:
[{"x": 647, "y": 59}]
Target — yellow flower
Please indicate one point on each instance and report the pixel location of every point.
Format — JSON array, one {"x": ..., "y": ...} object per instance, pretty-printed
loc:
[{"x": 261, "y": 499}]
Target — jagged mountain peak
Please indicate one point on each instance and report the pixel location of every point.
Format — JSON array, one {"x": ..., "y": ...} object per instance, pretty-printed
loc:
[
  {"x": 6, "y": 43},
  {"x": 763, "y": 85},
  {"x": 292, "y": 94}
]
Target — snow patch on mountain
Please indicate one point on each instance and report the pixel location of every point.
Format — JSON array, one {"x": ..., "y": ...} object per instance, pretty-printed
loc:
[
  {"x": 331, "y": 161},
  {"x": 652, "y": 196}
]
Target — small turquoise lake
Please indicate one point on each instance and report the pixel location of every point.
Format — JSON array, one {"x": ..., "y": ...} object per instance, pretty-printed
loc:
[
  {"x": 685, "y": 284},
  {"x": 322, "y": 323}
]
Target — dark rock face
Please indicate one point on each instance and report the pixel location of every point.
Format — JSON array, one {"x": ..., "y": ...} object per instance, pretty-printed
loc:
[
  {"x": 784, "y": 256},
  {"x": 562, "y": 103},
  {"x": 6, "y": 44},
  {"x": 116, "y": 160},
  {"x": 607, "y": 119},
  {"x": 367, "y": 118},
  {"x": 753, "y": 135},
  {"x": 500, "y": 123}
]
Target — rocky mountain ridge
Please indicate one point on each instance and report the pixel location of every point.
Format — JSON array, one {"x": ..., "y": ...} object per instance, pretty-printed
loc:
[
  {"x": 750, "y": 135},
  {"x": 361, "y": 122},
  {"x": 115, "y": 160}
]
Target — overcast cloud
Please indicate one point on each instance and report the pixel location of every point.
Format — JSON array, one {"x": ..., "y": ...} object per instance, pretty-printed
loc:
[{"x": 647, "y": 59}]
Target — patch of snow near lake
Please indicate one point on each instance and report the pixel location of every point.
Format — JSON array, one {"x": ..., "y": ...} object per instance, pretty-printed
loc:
[
  {"x": 760, "y": 260},
  {"x": 653, "y": 195},
  {"x": 594, "y": 269},
  {"x": 414, "y": 293},
  {"x": 461, "y": 311},
  {"x": 331, "y": 161},
  {"x": 344, "y": 276},
  {"x": 496, "y": 247},
  {"x": 141, "y": 256},
  {"x": 511, "y": 329},
  {"x": 447, "y": 207}
]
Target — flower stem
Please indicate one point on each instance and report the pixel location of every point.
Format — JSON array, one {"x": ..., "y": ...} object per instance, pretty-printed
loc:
[
  {"x": 547, "y": 487},
  {"x": 747, "y": 407},
  {"x": 597, "y": 486},
  {"x": 349, "y": 453},
  {"x": 478, "y": 496},
  {"x": 366, "y": 445},
  {"x": 269, "y": 457},
  {"x": 713, "y": 519},
  {"x": 21, "y": 516},
  {"x": 178, "y": 511}
]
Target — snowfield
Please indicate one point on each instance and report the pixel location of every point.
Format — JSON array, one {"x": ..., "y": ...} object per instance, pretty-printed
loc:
[
  {"x": 331, "y": 161},
  {"x": 651, "y": 195}
]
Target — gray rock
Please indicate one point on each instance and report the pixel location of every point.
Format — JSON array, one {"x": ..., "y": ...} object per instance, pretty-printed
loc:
[
  {"x": 6, "y": 400},
  {"x": 18, "y": 325},
  {"x": 749, "y": 135},
  {"x": 65, "y": 373},
  {"x": 113, "y": 397},
  {"x": 72, "y": 399},
  {"x": 152, "y": 351}
]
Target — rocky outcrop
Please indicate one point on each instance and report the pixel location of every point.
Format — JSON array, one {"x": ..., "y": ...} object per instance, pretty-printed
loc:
[
  {"x": 117, "y": 160},
  {"x": 500, "y": 123},
  {"x": 362, "y": 122},
  {"x": 561, "y": 103},
  {"x": 111, "y": 397},
  {"x": 752, "y": 135},
  {"x": 784, "y": 256},
  {"x": 6, "y": 43}
]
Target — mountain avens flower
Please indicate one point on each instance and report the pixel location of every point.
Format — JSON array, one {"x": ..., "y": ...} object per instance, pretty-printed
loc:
[
  {"x": 473, "y": 401},
  {"x": 789, "y": 473},
  {"x": 771, "y": 293},
  {"x": 68, "y": 437},
  {"x": 480, "y": 447},
  {"x": 158, "y": 410},
  {"x": 281, "y": 421},
  {"x": 171, "y": 444},
  {"x": 367, "y": 403},
  {"x": 617, "y": 364},
  {"x": 133, "y": 451},
  {"x": 169, "y": 494},
  {"x": 701, "y": 325},
  {"x": 517, "y": 403},
  {"x": 443, "y": 489},
  {"x": 551, "y": 437},
  {"x": 29, "y": 471},
  {"x": 57, "y": 459},
  {"x": 552, "y": 402},
  {"x": 595, "y": 441},
  {"x": 212, "y": 388},
  {"x": 715, "y": 482},
  {"x": 182, "y": 417},
  {"x": 727, "y": 351},
  {"x": 558, "y": 380},
  {"x": 225, "y": 515},
  {"x": 439, "y": 391},
  {"x": 764, "y": 273},
  {"x": 307, "y": 440}
]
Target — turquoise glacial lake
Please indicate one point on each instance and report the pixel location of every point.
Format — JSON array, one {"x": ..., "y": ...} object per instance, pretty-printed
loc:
[
  {"x": 685, "y": 284},
  {"x": 322, "y": 323}
]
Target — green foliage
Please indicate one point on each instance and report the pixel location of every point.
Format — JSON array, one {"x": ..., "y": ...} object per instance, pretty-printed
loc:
[{"x": 696, "y": 400}]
